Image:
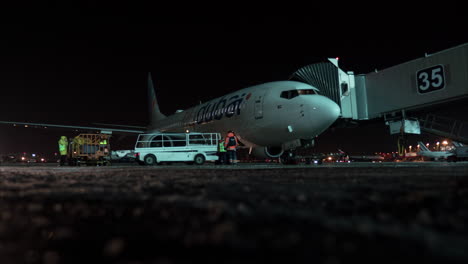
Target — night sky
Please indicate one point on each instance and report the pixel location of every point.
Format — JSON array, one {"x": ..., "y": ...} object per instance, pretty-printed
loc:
[{"x": 81, "y": 66}]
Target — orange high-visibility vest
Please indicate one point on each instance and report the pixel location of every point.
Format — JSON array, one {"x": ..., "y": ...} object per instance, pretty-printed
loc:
[{"x": 226, "y": 141}]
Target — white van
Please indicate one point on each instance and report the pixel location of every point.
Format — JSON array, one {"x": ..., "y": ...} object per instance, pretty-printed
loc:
[{"x": 196, "y": 148}]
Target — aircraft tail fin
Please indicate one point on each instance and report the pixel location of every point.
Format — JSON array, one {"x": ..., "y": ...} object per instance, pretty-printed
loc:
[
  {"x": 423, "y": 147},
  {"x": 154, "y": 112}
]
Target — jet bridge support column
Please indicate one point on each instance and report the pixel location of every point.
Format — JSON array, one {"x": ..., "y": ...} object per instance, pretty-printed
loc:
[
  {"x": 400, "y": 124},
  {"x": 402, "y": 142}
]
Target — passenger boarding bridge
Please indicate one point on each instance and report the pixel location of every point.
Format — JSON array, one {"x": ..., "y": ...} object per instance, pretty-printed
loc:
[{"x": 399, "y": 93}]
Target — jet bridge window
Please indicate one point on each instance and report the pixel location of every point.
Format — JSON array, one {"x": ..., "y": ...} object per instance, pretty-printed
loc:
[{"x": 293, "y": 93}]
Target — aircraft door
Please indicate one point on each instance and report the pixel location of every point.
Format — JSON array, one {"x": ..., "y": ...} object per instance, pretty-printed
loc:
[{"x": 258, "y": 107}]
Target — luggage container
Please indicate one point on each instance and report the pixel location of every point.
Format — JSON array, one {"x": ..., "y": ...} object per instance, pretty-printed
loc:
[{"x": 89, "y": 149}]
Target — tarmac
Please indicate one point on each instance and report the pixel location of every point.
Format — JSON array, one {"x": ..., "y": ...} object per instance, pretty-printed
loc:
[{"x": 389, "y": 212}]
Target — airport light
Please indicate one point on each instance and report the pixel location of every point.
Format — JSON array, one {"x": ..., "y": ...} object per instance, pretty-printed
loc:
[
  {"x": 438, "y": 145},
  {"x": 410, "y": 148},
  {"x": 445, "y": 143}
]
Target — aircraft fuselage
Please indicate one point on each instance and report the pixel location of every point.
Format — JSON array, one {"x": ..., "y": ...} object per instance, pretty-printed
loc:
[{"x": 262, "y": 115}]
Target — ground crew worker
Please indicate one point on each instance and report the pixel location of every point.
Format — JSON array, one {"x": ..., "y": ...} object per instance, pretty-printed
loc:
[
  {"x": 221, "y": 152},
  {"x": 231, "y": 143},
  {"x": 103, "y": 145},
  {"x": 63, "y": 148},
  {"x": 103, "y": 141}
]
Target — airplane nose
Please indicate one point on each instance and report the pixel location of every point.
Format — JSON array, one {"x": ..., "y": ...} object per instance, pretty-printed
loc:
[
  {"x": 327, "y": 111},
  {"x": 334, "y": 110}
]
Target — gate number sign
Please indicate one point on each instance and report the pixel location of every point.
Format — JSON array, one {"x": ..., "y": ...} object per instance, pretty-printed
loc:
[{"x": 430, "y": 79}]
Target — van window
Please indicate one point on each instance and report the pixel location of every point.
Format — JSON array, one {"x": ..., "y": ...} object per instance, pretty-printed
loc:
[
  {"x": 197, "y": 139},
  {"x": 167, "y": 141}
]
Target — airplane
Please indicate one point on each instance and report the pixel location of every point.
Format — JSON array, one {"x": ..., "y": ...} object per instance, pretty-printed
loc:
[
  {"x": 436, "y": 155},
  {"x": 270, "y": 118}
]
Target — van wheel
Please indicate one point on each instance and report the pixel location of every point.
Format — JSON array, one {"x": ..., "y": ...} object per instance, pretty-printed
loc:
[
  {"x": 199, "y": 159},
  {"x": 150, "y": 159}
]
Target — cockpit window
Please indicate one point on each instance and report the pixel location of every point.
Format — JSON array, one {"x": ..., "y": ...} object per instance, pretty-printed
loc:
[
  {"x": 289, "y": 94},
  {"x": 293, "y": 93},
  {"x": 306, "y": 91}
]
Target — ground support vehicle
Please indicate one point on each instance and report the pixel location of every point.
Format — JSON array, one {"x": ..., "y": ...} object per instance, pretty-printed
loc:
[
  {"x": 193, "y": 148},
  {"x": 89, "y": 149}
]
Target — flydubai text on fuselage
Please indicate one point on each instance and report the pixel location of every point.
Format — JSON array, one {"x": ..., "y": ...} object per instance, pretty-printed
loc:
[{"x": 264, "y": 116}]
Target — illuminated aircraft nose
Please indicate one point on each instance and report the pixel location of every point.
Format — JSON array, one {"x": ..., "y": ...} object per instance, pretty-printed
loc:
[
  {"x": 331, "y": 111},
  {"x": 325, "y": 111}
]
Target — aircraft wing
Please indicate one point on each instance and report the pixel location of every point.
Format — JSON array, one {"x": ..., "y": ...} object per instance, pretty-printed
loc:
[{"x": 108, "y": 130}]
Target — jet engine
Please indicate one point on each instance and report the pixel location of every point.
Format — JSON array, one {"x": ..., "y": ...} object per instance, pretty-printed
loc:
[{"x": 267, "y": 152}]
